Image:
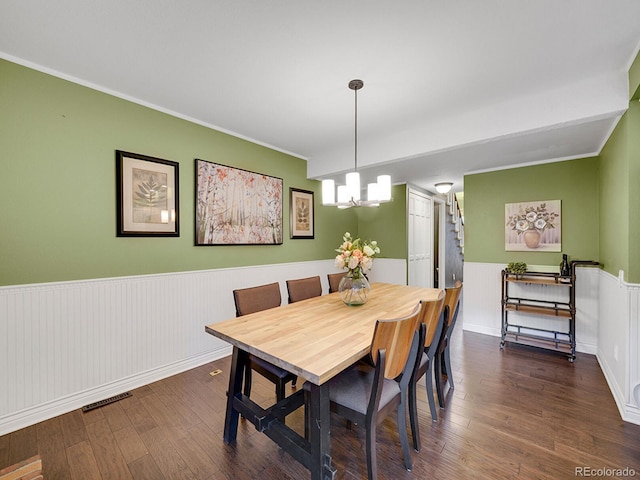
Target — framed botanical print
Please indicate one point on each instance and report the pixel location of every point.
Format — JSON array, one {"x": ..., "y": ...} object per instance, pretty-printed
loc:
[
  {"x": 146, "y": 196},
  {"x": 301, "y": 213},
  {"x": 533, "y": 226}
]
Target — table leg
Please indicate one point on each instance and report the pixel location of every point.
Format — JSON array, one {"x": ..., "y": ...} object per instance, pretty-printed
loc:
[
  {"x": 238, "y": 364},
  {"x": 319, "y": 432}
]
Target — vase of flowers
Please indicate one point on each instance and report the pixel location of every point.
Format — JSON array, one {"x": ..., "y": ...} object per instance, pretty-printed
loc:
[
  {"x": 531, "y": 223},
  {"x": 357, "y": 257}
]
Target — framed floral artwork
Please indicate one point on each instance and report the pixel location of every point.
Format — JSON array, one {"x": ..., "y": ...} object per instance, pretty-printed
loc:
[
  {"x": 533, "y": 226},
  {"x": 236, "y": 207},
  {"x": 300, "y": 213},
  {"x": 146, "y": 196}
]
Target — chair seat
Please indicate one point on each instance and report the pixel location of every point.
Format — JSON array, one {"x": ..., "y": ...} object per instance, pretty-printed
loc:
[
  {"x": 258, "y": 364},
  {"x": 351, "y": 386}
]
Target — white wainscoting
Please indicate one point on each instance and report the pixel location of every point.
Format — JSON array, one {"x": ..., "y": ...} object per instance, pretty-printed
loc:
[
  {"x": 483, "y": 293},
  {"x": 619, "y": 342},
  {"x": 481, "y": 298},
  {"x": 607, "y": 323},
  {"x": 68, "y": 344}
]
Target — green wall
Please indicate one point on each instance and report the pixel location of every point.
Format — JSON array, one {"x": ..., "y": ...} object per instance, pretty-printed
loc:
[
  {"x": 633, "y": 214},
  {"x": 57, "y": 186},
  {"x": 619, "y": 192},
  {"x": 387, "y": 224},
  {"x": 574, "y": 182},
  {"x": 620, "y": 171},
  {"x": 614, "y": 193}
]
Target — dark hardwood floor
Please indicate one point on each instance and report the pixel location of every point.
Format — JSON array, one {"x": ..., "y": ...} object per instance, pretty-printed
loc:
[{"x": 517, "y": 413}]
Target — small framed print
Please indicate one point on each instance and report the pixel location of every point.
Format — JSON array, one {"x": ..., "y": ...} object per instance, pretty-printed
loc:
[
  {"x": 301, "y": 213},
  {"x": 146, "y": 196}
]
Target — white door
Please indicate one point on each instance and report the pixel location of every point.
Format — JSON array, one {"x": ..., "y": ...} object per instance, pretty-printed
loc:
[{"x": 420, "y": 239}]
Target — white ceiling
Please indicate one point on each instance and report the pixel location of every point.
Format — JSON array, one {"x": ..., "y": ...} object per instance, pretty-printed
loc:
[{"x": 451, "y": 87}]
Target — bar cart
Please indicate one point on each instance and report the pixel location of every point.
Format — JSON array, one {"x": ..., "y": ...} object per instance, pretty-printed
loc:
[{"x": 532, "y": 306}]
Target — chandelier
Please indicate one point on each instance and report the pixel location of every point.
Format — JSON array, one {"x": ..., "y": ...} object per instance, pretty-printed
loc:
[{"x": 349, "y": 194}]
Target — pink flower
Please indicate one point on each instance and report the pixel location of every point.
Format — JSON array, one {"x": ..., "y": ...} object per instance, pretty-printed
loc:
[{"x": 355, "y": 254}]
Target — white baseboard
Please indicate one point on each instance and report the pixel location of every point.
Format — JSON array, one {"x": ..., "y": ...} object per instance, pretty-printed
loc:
[
  {"x": 30, "y": 416},
  {"x": 69, "y": 344},
  {"x": 628, "y": 413},
  {"x": 483, "y": 329}
]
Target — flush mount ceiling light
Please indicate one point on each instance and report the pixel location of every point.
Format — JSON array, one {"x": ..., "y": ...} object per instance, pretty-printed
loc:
[
  {"x": 444, "y": 187},
  {"x": 349, "y": 194}
]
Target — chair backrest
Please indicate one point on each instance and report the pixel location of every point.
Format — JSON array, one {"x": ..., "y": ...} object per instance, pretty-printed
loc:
[
  {"x": 304, "y": 288},
  {"x": 431, "y": 311},
  {"x": 334, "y": 281},
  {"x": 452, "y": 299},
  {"x": 256, "y": 299},
  {"x": 395, "y": 338}
]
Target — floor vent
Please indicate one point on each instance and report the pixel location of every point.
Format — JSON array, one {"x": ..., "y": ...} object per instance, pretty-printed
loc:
[{"x": 106, "y": 401}]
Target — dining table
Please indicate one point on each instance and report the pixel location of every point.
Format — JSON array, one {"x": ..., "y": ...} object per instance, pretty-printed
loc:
[{"x": 315, "y": 339}]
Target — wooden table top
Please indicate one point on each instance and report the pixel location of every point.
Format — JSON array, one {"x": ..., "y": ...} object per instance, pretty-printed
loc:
[{"x": 319, "y": 337}]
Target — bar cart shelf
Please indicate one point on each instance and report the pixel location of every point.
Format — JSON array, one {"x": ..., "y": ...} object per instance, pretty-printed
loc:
[{"x": 560, "y": 340}]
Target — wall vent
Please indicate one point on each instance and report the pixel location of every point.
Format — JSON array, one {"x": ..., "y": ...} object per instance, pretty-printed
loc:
[{"x": 106, "y": 401}]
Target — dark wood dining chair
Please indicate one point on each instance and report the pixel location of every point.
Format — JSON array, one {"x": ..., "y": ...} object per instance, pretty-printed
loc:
[
  {"x": 303, "y": 288},
  {"x": 434, "y": 315},
  {"x": 256, "y": 299},
  {"x": 367, "y": 395},
  {"x": 334, "y": 281},
  {"x": 442, "y": 365}
]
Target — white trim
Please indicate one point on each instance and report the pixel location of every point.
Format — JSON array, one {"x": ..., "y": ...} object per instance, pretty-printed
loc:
[
  {"x": 537, "y": 162},
  {"x": 68, "y": 344},
  {"x": 614, "y": 125},
  {"x": 440, "y": 204},
  {"x": 115, "y": 93},
  {"x": 632, "y": 59},
  {"x": 30, "y": 416},
  {"x": 620, "y": 305}
]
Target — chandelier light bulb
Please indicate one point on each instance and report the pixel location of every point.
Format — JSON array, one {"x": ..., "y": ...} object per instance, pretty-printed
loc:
[{"x": 328, "y": 192}]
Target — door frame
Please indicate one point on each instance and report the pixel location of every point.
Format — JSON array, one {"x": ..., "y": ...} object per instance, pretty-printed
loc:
[{"x": 440, "y": 204}]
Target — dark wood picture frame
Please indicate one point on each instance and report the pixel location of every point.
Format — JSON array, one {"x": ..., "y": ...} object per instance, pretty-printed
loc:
[
  {"x": 147, "y": 196},
  {"x": 236, "y": 206},
  {"x": 301, "y": 214}
]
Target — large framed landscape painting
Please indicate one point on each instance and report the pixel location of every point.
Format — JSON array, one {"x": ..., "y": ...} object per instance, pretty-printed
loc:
[
  {"x": 237, "y": 207},
  {"x": 146, "y": 196},
  {"x": 533, "y": 226}
]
